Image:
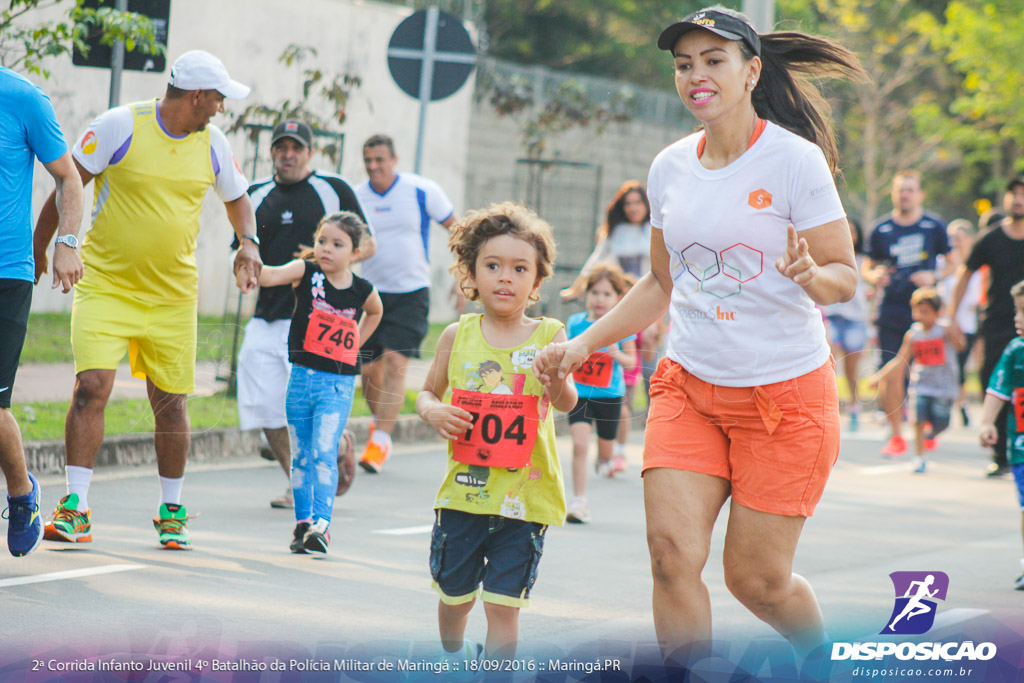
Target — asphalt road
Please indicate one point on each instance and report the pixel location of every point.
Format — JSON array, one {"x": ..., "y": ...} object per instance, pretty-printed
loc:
[{"x": 241, "y": 594}]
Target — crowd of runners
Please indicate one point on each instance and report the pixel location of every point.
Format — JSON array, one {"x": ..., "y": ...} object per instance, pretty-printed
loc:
[{"x": 744, "y": 403}]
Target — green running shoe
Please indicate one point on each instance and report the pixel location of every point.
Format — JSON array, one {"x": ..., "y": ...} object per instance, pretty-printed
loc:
[
  {"x": 68, "y": 524},
  {"x": 172, "y": 525}
]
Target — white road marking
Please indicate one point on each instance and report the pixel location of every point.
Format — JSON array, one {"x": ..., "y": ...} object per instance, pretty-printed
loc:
[
  {"x": 406, "y": 531},
  {"x": 72, "y": 574}
]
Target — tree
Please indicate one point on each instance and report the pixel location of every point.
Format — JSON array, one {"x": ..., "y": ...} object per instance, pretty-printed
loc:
[
  {"x": 607, "y": 38},
  {"x": 331, "y": 91},
  {"x": 982, "y": 41},
  {"x": 898, "y": 119},
  {"x": 25, "y": 45}
]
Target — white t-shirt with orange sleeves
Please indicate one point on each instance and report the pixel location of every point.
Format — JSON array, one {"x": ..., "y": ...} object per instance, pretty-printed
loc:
[{"x": 736, "y": 321}]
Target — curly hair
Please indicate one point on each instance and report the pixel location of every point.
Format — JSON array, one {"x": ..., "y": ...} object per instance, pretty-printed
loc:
[{"x": 469, "y": 235}]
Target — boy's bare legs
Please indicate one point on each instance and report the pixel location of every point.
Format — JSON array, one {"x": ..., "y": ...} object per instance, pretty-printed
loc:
[
  {"x": 451, "y": 621},
  {"x": 502, "y": 630}
]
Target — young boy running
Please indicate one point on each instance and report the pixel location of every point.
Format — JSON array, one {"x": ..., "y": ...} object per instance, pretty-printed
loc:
[{"x": 503, "y": 484}]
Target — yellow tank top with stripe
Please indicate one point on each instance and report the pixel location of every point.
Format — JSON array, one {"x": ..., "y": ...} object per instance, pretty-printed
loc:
[
  {"x": 535, "y": 493},
  {"x": 146, "y": 215}
]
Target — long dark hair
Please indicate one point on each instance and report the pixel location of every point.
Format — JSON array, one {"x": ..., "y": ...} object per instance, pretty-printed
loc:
[
  {"x": 785, "y": 94},
  {"x": 615, "y": 213}
]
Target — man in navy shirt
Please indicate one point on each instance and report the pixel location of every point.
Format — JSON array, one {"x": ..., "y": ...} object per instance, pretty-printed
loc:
[
  {"x": 902, "y": 255},
  {"x": 28, "y": 131}
]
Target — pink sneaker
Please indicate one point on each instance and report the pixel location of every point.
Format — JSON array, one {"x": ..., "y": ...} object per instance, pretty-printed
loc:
[
  {"x": 896, "y": 447},
  {"x": 618, "y": 464}
]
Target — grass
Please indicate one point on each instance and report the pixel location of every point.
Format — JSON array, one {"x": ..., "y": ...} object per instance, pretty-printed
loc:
[
  {"x": 44, "y": 420},
  {"x": 48, "y": 341},
  {"x": 49, "y": 338}
]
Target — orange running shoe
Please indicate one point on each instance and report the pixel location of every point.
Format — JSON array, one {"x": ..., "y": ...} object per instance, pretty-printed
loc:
[
  {"x": 374, "y": 457},
  {"x": 896, "y": 447},
  {"x": 68, "y": 524}
]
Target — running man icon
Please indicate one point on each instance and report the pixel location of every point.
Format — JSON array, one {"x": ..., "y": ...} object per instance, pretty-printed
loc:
[{"x": 913, "y": 590}]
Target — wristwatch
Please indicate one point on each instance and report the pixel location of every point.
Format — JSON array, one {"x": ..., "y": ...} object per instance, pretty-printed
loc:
[
  {"x": 68, "y": 241},
  {"x": 254, "y": 238}
]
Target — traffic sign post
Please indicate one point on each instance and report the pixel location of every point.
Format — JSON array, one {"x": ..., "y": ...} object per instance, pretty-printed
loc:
[
  {"x": 430, "y": 56},
  {"x": 114, "y": 57}
]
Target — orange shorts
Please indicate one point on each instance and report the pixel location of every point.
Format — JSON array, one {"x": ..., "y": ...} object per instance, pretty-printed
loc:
[{"x": 776, "y": 443}]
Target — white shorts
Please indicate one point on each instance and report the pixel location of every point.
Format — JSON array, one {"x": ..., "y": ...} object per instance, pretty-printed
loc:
[{"x": 263, "y": 370}]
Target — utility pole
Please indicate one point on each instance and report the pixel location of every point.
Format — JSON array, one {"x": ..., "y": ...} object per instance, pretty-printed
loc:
[
  {"x": 761, "y": 13},
  {"x": 117, "y": 63}
]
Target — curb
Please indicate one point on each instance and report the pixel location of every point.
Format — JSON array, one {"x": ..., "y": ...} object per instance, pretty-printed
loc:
[{"x": 47, "y": 457}]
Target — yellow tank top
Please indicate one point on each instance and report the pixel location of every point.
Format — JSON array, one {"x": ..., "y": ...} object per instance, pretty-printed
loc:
[
  {"x": 534, "y": 493},
  {"x": 146, "y": 215}
]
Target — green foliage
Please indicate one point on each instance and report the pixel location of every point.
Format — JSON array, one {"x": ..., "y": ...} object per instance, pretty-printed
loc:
[
  {"x": 320, "y": 91},
  {"x": 899, "y": 118},
  {"x": 608, "y": 38},
  {"x": 982, "y": 41},
  {"x": 25, "y": 45}
]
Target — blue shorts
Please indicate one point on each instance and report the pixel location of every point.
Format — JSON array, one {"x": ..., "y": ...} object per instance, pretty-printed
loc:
[
  {"x": 467, "y": 549},
  {"x": 1018, "y": 478},
  {"x": 849, "y": 335},
  {"x": 935, "y": 411}
]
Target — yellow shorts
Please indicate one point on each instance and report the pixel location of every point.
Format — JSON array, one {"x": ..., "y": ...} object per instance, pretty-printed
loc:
[{"x": 160, "y": 339}]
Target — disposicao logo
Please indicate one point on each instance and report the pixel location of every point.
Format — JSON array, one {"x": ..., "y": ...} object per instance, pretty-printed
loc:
[
  {"x": 913, "y": 613},
  {"x": 916, "y": 593}
]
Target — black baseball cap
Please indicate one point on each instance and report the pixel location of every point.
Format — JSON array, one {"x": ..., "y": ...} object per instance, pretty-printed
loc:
[
  {"x": 296, "y": 130},
  {"x": 1019, "y": 180},
  {"x": 719, "y": 23}
]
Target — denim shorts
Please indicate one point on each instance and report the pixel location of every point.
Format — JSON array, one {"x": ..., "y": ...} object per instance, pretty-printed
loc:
[
  {"x": 467, "y": 549},
  {"x": 934, "y": 410},
  {"x": 849, "y": 335}
]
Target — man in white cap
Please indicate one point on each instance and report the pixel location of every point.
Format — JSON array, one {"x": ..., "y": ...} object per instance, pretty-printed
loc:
[{"x": 153, "y": 162}]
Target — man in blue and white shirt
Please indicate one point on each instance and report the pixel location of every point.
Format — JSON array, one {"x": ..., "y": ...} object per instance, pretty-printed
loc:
[{"x": 400, "y": 207}]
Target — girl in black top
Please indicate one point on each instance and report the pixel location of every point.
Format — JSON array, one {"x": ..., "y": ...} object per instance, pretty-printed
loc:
[{"x": 334, "y": 311}]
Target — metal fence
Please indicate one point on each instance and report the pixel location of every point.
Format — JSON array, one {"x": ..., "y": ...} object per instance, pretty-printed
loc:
[
  {"x": 536, "y": 83},
  {"x": 568, "y": 195}
]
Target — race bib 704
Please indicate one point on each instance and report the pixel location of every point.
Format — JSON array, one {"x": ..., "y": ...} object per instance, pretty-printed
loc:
[
  {"x": 504, "y": 429},
  {"x": 332, "y": 336}
]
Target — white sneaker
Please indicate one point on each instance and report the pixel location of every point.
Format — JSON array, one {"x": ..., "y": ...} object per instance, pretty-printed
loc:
[
  {"x": 604, "y": 468},
  {"x": 284, "y": 501},
  {"x": 578, "y": 511}
]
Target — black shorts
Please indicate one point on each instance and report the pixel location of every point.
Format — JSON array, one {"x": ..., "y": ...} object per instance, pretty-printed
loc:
[
  {"x": 403, "y": 326},
  {"x": 606, "y": 412},
  {"x": 15, "y": 302}
]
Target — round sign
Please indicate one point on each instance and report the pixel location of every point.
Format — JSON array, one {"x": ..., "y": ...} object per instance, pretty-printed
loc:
[{"x": 451, "y": 53}]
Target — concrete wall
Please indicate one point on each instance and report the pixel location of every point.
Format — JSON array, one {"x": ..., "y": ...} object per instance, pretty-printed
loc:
[
  {"x": 249, "y": 36},
  {"x": 569, "y": 201}
]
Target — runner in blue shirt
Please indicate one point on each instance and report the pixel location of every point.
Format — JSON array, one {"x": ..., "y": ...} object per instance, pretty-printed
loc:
[
  {"x": 902, "y": 255},
  {"x": 28, "y": 131}
]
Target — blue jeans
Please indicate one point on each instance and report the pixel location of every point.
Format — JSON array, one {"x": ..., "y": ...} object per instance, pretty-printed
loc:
[{"x": 318, "y": 405}]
